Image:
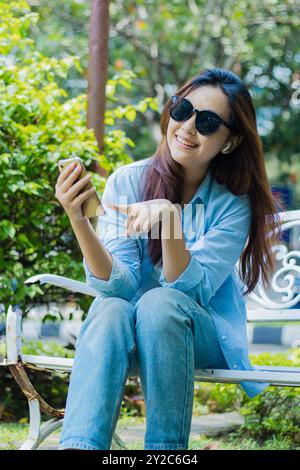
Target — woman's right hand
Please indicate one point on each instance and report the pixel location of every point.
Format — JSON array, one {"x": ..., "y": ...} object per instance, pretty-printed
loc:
[{"x": 67, "y": 188}]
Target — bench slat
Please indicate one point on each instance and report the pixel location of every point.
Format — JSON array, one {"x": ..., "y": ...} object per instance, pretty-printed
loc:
[
  {"x": 273, "y": 374},
  {"x": 266, "y": 315},
  {"x": 237, "y": 376}
]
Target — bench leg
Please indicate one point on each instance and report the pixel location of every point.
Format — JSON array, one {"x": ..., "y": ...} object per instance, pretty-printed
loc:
[
  {"x": 117, "y": 443},
  {"x": 37, "y": 432},
  {"x": 33, "y": 438}
]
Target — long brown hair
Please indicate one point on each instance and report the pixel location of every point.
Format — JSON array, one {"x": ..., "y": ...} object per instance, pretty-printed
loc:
[{"x": 243, "y": 172}]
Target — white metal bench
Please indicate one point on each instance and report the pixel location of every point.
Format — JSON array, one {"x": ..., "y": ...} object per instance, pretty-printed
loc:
[{"x": 275, "y": 305}]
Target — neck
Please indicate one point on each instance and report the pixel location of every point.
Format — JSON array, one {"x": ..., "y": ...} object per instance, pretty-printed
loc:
[{"x": 192, "y": 180}]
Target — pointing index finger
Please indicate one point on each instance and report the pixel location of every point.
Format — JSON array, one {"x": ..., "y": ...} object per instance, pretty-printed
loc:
[{"x": 118, "y": 207}]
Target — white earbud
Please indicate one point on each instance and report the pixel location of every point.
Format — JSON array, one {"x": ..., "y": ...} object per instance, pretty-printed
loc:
[{"x": 227, "y": 148}]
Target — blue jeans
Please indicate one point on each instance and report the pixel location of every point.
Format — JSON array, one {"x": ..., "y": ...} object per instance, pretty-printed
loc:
[{"x": 162, "y": 338}]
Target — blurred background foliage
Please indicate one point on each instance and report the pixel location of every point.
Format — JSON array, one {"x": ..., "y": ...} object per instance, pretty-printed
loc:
[
  {"x": 164, "y": 43},
  {"x": 40, "y": 123},
  {"x": 154, "y": 47}
]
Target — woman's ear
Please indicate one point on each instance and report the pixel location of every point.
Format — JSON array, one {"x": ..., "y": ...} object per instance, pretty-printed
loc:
[
  {"x": 237, "y": 139},
  {"x": 232, "y": 144}
]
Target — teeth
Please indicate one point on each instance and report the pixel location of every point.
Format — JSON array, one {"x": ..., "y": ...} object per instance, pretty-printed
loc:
[{"x": 185, "y": 142}]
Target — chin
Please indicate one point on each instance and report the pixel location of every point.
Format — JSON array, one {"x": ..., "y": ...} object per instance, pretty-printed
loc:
[
  {"x": 183, "y": 161},
  {"x": 184, "y": 156}
]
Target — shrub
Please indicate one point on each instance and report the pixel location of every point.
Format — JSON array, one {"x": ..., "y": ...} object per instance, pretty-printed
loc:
[
  {"x": 40, "y": 124},
  {"x": 275, "y": 411}
]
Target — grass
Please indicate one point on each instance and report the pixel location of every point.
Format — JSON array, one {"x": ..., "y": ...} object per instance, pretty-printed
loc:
[
  {"x": 230, "y": 443},
  {"x": 13, "y": 434},
  {"x": 10, "y": 433}
]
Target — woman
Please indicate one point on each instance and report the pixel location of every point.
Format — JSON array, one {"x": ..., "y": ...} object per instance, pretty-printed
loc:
[{"x": 170, "y": 296}]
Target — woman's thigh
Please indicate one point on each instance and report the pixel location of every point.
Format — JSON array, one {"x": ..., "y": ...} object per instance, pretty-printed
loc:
[
  {"x": 110, "y": 314},
  {"x": 207, "y": 349}
]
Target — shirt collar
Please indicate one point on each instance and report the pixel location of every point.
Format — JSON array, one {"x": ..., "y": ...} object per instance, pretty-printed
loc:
[{"x": 202, "y": 192}]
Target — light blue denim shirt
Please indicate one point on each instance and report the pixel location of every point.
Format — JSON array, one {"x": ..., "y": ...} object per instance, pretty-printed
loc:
[{"x": 215, "y": 225}]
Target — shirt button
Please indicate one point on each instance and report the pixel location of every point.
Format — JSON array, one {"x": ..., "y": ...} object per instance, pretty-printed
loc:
[
  {"x": 235, "y": 366},
  {"x": 223, "y": 337}
]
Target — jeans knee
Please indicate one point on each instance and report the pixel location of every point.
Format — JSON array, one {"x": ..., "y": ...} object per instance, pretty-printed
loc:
[
  {"x": 109, "y": 307},
  {"x": 108, "y": 313},
  {"x": 160, "y": 297},
  {"x": 160, "y": 308}
]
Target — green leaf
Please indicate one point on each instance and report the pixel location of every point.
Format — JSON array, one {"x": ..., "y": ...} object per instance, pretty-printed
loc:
[
  {"x": 130, "y": 114},
  {"x": 7, "y": 230}
]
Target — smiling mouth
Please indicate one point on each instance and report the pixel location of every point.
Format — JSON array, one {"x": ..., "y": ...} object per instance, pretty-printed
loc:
[{"x": 184, "y": 143}]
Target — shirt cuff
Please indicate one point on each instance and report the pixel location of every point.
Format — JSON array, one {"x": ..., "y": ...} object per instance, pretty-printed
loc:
[
  {"x": 188, "y": 279},
  {"x": 101, "y": 285}
]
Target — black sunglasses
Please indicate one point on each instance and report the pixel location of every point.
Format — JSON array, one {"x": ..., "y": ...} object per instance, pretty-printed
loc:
[{"x": 207, "y": 122}]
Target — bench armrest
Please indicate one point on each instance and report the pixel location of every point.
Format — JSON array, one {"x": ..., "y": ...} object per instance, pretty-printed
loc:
[
  {"x": 64, "y": 282},
  {"x": 14, "y": 314}
]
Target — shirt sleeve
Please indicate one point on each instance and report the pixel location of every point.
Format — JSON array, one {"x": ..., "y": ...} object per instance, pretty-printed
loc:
[
  {"x": 212, "y": 263},
  {"x": 125, "y": 276}
]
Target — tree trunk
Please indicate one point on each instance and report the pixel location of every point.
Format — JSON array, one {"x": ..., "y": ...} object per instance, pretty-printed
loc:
[{"x": 98, "y": 72}]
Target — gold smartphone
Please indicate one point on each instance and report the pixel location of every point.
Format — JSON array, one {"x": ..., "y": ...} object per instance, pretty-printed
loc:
[{"x": 92, "y": 206}]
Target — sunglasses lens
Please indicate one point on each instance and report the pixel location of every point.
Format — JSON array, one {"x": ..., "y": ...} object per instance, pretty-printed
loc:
[
  {"x": 207, "y": 122},
  {"x": 180, "y": 109}
]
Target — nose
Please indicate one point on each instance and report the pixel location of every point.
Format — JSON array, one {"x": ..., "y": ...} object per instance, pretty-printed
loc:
[{"x": 189, "y": 125}]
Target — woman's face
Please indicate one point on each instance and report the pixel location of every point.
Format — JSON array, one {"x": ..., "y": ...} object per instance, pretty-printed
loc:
[{"x": 206, "y": 146}]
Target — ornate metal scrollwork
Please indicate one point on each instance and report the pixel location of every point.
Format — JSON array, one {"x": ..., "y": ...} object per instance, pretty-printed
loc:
[{"x": 285, "y": 283}]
